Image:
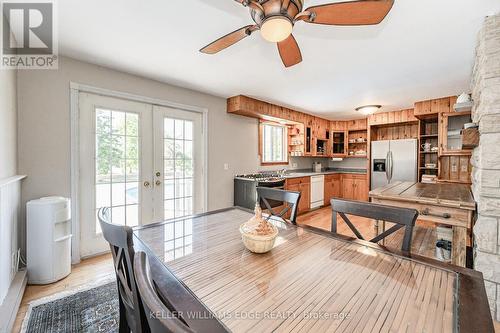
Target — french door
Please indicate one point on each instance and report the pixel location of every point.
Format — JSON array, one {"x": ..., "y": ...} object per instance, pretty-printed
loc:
[
  {"x": 145, "y": 162},
  {"x": 178, "y": 163}
]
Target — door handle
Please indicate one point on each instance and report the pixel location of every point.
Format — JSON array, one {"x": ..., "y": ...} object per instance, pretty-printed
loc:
[
  {"x": 147, "y": 184},
  {"x": 391, "y": 167},
  {"x": 158, "y": 183},
  {"x": 387, "y": 165}
]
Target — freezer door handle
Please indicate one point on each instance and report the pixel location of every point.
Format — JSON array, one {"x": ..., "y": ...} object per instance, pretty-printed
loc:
[
  {"x": 388, "y": 166},
  {"x": 391, "y": 166}
]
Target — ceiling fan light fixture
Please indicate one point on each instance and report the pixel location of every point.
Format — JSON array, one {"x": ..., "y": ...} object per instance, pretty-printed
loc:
[
  {"x": 276, "y": 29},
  {"x": 368, "y": 109}
]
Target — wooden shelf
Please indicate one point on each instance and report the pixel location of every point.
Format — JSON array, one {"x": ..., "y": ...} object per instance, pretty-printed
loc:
[
  {"x": 428, "y": 152},
  {"x": 456, "y": 113},
  {"x": 357, "y": 156},
  {"x": 358, "y": 143},
  {"x": 424, "y": 168},
  {"x": 424, "y": 136},
  {"x": 456, "y": 153}
]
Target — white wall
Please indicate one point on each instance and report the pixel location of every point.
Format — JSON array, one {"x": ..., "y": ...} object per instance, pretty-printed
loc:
[
  {"x": 8, "y": 124},
  {"x": 44, "y": 128}
]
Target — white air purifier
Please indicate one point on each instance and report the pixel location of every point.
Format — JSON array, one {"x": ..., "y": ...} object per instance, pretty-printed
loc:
[{"x": 48, "y": 239}]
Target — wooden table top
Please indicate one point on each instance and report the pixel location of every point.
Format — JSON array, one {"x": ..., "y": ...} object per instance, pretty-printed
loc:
[
  {"x": 312, "y": 281},
  {"x": 448, "y": 195}
]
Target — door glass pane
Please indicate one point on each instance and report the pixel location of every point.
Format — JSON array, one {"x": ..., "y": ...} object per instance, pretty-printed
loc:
[
  {"x": 178, "y": 166},
  {"x": 117, "y": 165}
]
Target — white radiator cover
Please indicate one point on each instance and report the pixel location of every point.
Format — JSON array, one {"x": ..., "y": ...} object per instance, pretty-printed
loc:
[{"x": 10, "y": 209}]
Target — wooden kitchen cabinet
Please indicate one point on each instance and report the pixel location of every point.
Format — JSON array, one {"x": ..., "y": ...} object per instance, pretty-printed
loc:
[
  {"x": 333, "y": 187},
  {"x": 433, "y": 107},
  {"x": 361, "y": 188},
  {"x": 357, "y": 124},
  {"x": 302, "y": 185},
  {"x": 355, "y": 187}
]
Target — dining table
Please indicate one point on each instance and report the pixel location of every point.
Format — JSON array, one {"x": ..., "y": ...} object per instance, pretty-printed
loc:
[{"x": 311, "y": 281}]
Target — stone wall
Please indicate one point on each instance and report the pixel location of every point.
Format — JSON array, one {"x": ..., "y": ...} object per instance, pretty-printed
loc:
[{"x": 486, "y": 158}]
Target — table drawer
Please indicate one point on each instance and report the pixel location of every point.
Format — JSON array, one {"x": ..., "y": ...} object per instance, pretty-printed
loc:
[{"x": 437, "y": 214}]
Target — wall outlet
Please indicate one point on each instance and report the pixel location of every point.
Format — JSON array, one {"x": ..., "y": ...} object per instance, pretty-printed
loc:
[
  {"x": 226, "y": 166},
  {"x": 294, "y": 165}
]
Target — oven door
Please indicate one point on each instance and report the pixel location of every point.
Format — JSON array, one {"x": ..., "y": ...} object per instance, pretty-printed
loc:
[{"x": 280, "y": 185}]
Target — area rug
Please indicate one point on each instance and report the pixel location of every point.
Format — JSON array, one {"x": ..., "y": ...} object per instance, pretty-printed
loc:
[{"x": 90, "y": 308}]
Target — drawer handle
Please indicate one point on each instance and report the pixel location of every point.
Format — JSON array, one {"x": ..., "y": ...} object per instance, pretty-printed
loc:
[{"x": 426, "y": 212}]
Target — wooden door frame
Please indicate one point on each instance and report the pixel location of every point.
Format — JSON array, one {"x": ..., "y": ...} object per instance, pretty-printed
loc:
[{"x": 75, "y": 90}]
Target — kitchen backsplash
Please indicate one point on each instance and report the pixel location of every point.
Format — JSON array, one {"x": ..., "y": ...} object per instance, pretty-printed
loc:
[
  {"x": 351, "y": 163},
  {"x": 306, "y": 163}
]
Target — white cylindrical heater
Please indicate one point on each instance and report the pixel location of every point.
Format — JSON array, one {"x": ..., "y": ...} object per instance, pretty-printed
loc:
[{"x": 49, "y": 239}]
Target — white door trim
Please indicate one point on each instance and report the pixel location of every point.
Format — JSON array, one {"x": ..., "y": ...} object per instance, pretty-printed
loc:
[{"x": 75, "y": 89}]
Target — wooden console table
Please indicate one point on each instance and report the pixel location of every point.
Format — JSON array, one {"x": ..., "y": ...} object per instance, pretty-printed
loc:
[{"x": 447, "y": 204}]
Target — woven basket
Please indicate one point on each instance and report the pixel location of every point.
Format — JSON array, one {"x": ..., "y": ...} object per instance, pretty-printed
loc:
[{"x": 257, "y": 243}]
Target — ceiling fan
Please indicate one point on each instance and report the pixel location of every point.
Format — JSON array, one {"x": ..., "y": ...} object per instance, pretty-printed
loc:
[{"x": 275, "y": 20}]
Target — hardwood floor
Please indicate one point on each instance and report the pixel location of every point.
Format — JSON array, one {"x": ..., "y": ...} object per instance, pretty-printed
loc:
[
  {"x": 88, "y": 271},
  {"x": 424, "y": 237}
]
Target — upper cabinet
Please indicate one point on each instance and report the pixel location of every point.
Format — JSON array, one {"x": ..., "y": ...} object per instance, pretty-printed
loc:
[
  {"x": 450, "y": 130},
  {"x": 432, "y": 108},
  {"x": 357, "y": 125},
  {"x": 393, "y": 117}
]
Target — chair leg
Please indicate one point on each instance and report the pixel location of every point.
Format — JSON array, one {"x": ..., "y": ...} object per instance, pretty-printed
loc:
[
  {"x": 380, "y": 229},
  {"x": 123, "y": 325}
]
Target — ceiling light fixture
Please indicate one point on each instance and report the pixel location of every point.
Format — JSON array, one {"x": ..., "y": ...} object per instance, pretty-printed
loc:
[
  {"x": 276, "y": 29},
  {"x": 368, "y": 109}
]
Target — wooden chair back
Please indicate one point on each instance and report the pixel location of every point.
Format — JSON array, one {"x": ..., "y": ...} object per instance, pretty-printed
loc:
[
  {"x": 402, "y": 217},
  {"x": 290, "y": 200},
  {"x": 161, "y": 315},
  {"x": 120, "y": 241}
]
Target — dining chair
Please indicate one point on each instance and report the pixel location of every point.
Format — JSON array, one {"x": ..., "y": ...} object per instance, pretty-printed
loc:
[
  {"x": 161, "y": 315},
  {"x": 120, "y": 241},
  {"x": 289, "y": 198},
  {"x": 401, "y": 217}
]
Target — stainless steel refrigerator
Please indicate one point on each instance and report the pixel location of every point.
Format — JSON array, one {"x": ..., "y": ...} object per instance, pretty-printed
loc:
[{"x": 393, "y": 160}]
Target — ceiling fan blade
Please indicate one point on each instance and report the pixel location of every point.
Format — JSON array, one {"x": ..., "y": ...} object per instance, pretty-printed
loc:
[
  {"x": 229, "y": 39},
  {"x": 362, "y": 12},
  {"x": 289, "y": 51}
]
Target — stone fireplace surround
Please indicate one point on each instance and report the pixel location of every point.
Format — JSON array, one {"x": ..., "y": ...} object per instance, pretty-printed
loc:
[{"x": 486, "y": 158}]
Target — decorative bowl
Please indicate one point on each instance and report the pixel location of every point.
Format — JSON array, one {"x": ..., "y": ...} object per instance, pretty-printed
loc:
[{"x": 258, "y": 243}]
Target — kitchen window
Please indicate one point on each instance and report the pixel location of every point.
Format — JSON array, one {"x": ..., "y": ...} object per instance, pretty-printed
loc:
[{"x": 274, "y": 144}]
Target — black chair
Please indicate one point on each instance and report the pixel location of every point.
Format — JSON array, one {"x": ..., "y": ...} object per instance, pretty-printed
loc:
[
  {"x": 288, "y": 198},
  {"x": 402, "y": 217},
  {"x": 120, "y": 241},
  {"x": 161, "y": 315}
]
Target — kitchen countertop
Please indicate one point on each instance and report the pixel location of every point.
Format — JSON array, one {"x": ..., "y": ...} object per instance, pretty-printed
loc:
[
  {"x": 328, "y": 171},
  {"x": 308, "y": 172}
]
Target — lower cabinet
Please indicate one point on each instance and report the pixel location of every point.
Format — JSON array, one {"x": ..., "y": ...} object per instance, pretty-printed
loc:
[
  {"x": 302, "y": 185},
  {"x": 355, "y": 187},
  {"x": 347, "y": 186},
  {"x": 333, "y": 187}
]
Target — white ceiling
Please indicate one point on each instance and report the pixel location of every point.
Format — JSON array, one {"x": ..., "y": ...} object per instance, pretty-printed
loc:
[{"x": 423, "y": 49}]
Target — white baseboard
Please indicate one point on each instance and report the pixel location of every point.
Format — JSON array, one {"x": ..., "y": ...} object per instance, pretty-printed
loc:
[{"x": 11, "y": 303}]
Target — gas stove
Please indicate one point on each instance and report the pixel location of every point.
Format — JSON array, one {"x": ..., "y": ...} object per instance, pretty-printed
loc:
[
  {"x": 263, "y": 177},
  {"x": 245, "y": 187}
]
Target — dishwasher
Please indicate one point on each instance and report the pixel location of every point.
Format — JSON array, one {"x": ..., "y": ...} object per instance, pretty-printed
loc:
[{"x": 317, "y": 191}]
